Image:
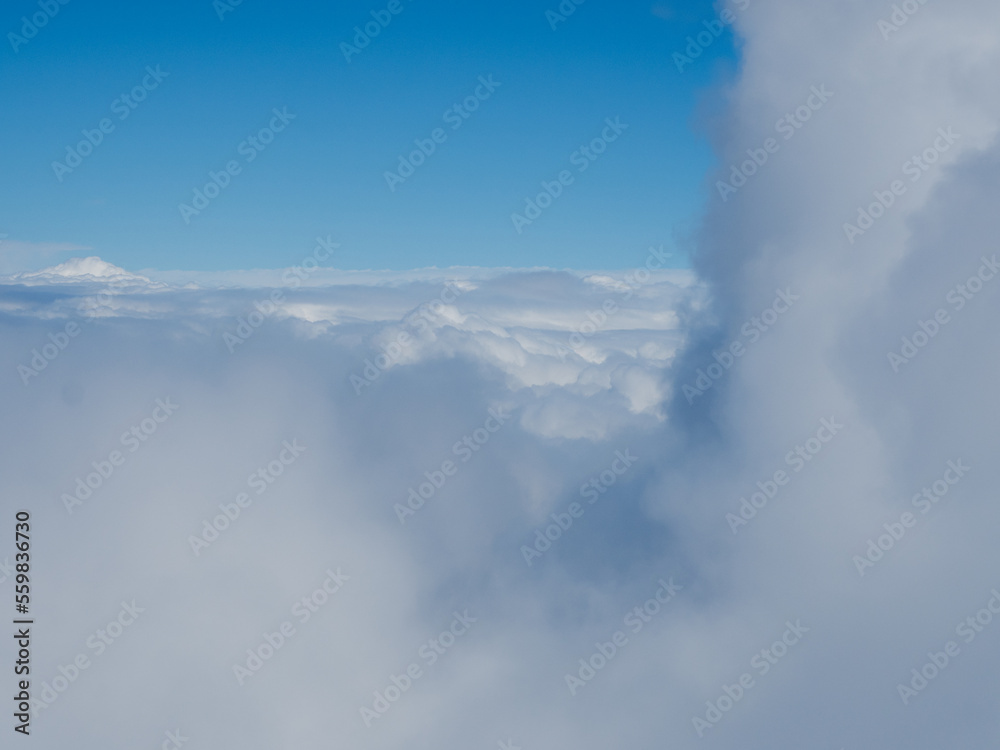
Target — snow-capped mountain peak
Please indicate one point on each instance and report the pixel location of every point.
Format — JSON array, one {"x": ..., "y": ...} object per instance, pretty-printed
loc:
[{"x": 76, "y": 270}]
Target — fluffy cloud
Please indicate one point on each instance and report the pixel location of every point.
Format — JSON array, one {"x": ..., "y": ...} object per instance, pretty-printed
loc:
[
  {"x": 151, "y": 410},
  {"x": 756, "y": 528}
]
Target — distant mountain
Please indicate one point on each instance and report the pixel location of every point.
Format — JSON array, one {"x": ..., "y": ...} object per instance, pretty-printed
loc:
[{"x": 84, "y": 270}]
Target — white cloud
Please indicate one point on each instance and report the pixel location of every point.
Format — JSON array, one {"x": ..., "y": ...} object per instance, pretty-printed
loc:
[{"x": 505, "y": 344}]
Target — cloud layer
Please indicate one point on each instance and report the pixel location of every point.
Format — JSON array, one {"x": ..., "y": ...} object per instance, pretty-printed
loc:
[{"x": 477, "y": 479}]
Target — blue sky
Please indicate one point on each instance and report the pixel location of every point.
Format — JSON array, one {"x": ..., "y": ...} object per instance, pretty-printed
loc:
[{"x": 324, "y": 174}]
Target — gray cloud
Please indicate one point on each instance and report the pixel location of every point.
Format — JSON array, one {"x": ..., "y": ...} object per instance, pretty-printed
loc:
[{"x": 788, "y": 576}]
